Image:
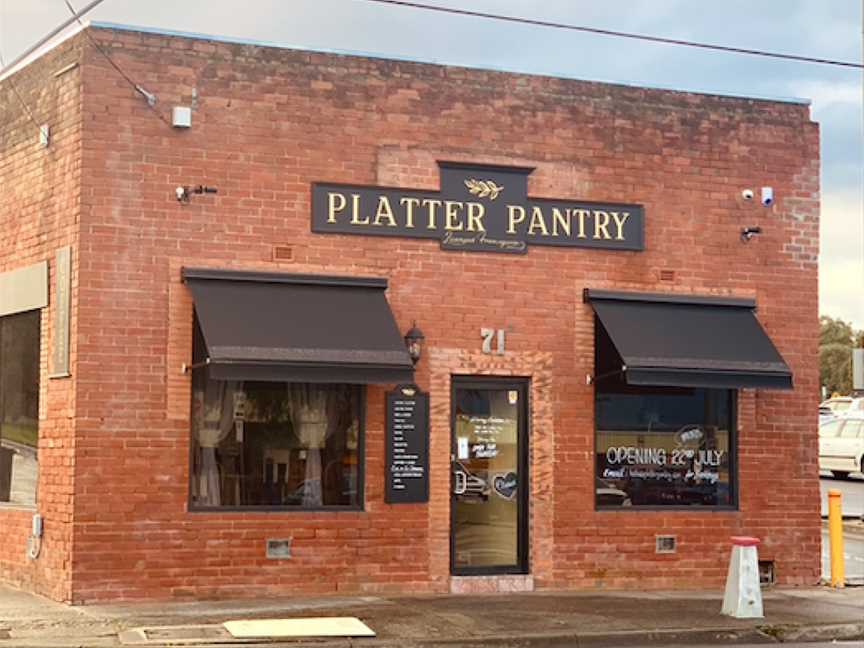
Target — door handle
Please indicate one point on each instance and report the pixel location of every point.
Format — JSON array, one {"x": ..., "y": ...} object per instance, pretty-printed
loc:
[{"x": 460, "y": 482}]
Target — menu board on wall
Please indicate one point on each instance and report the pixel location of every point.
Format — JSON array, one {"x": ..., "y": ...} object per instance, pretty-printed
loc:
[{"x": 407, "y": 465}]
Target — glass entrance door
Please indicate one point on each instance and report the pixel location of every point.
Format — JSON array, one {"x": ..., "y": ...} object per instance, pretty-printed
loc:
[{"x": 488, "y": 533}]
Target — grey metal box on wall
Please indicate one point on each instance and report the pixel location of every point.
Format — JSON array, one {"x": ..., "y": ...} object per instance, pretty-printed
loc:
[{"x": 858, "y": 369}]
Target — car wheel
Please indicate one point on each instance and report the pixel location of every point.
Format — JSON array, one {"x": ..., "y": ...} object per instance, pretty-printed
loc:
[{"x": 840, "y": 474}]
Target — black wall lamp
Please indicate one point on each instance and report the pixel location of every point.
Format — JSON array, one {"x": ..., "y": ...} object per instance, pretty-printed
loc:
[{"x": 414, "y": 342}]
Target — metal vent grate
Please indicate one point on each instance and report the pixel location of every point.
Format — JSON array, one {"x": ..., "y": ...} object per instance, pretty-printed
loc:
[
  {"x": 665, "y": 544},
  {"x": 278, "y": 548},
  {"x": 283, "y": 253},
  {"x": 766, "y": 573}
]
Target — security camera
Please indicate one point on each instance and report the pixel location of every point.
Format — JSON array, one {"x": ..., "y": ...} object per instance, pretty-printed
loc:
[
  {"x": 747, "y": 194},
  {"x": 181, "y": 194},
  {"x": 767, "y": 196},
  {"x": 749, "y": 232}
]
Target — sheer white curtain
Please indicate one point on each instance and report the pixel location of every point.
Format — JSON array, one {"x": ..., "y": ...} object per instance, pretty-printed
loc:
[
  {"x": 215, "y": 420},
  {"x": 309, "y": 419}
]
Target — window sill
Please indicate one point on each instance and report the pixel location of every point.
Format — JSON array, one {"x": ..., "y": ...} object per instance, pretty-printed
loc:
[
  {"x": 675, "y": 509},
  {"x": 274, "y": 509}
]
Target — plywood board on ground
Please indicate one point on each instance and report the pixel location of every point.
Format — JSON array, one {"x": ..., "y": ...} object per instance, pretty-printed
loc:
[{"x": 309, "y": 627}]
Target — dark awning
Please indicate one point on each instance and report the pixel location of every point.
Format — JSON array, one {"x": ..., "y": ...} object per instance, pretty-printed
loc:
[
  {"x": 689, "y": 341},
  {"x": 274, "y": 326}
]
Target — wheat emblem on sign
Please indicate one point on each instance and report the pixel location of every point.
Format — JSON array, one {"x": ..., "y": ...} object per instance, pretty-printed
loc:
[{"x": 483, "y": 188}]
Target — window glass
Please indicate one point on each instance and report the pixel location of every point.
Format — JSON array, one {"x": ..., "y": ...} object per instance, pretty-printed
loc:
[
  {"x": 830, "y": 429},
  {"x": 19, "y": 407},
  {"x": 660, "y": 446},
  {"x": 275, "y": 444},
  {"x": 852, "y": 430}
]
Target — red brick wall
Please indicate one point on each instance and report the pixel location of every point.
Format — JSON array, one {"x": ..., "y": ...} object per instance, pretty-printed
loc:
[
  {"x": 39, "y": 209},
  {"x": 266, "y": 124}
]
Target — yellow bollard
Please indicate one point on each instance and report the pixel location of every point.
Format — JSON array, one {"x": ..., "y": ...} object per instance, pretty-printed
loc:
[{"x": 835, "y": 533}]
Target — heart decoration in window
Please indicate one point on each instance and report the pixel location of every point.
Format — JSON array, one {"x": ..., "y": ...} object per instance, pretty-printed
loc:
[{"x": 506, "y": 485}]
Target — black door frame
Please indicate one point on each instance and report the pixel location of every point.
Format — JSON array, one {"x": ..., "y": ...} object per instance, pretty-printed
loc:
[{"x": 523, "y": 436}]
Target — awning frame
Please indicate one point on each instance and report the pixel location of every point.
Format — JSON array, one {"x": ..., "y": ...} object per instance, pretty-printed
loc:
[
  {"x": 673, "y": 370},
  {"x": 301, "y": 359}
]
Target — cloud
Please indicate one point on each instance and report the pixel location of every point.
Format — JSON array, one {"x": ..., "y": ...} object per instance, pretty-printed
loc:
[
  {"x": 841, "y": 259},
  {"x": 841, "y": 286},
  {"x": 828, "y": 94}
]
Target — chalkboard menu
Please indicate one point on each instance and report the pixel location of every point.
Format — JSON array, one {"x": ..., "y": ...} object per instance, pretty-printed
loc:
[{"x": 407, "y": 478}]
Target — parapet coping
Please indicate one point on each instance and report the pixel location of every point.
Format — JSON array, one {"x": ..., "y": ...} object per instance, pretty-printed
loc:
[{"x": 386, "y": 57}]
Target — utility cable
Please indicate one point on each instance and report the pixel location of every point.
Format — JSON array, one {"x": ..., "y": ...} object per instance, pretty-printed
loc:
[
  {"x": 151, "y": 98},
  {"x": 620, "y": 34},
  {"x": 20, "y": 98}
]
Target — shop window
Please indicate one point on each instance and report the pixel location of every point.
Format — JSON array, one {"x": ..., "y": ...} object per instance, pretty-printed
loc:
[
  {"x": 664, "y": 446},
  {"x": 19, "y": 407},
  {"x": 275, "y": 444}
]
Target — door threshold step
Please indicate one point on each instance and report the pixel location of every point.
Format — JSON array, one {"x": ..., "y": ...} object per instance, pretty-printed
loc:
[{"x": 501, "y": 584}]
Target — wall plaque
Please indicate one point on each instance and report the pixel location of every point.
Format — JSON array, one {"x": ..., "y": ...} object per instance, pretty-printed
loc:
[
  {"x": 60, "y": 338},
  {"x": 479, "y": 208},
  {"x": 407, "y": 460}
]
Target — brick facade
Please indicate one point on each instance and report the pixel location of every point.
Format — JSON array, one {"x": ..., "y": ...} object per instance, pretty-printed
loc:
[
  {"x": 267, "y": 122},
  {"x": 40, "y": 207}
]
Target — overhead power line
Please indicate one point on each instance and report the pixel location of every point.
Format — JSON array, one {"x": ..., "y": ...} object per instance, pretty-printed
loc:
[
  {"x": 151, "y": 98},
  {"x": 20, "y": 98},
  {"x": 619, "y": 34},
  {"x": 48, "y": 37}
]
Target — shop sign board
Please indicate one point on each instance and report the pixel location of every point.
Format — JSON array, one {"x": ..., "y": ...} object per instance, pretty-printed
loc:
[
  {"x": 479, "y": 208},
  {"x": 407, "y": 440}
]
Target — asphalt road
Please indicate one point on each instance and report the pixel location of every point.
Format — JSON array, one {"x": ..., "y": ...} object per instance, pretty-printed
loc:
[
  {"x": 853, "y": 552},
  {"x": 852, "y": 490},
  {"x": 852, "y": 502}
]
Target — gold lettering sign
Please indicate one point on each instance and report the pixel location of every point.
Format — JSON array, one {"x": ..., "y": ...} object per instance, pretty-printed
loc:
[{"x": 479, "y": 208}]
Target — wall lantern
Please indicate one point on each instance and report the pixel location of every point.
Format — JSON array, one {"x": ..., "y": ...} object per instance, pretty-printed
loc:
[{"x": 414, "y": 342}]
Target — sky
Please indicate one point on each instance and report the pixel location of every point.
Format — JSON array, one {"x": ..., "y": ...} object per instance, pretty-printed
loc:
[{"x": 818, "y": 28}]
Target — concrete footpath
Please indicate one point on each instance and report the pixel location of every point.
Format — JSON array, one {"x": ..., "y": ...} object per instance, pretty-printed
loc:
[{"x": 525, "y": 620}]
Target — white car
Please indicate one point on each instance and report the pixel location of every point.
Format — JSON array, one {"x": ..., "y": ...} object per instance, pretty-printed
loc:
[
  {"x": 837, "y": 404},
  {"x": 841, "y": 445}
]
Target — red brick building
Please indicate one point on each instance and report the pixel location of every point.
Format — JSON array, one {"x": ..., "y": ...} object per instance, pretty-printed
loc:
[{"x": 195, "y": 390}]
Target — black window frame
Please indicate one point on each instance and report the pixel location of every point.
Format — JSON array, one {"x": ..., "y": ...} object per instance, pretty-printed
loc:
[
  {"x": 606, "y": 370},
  {"x": 37, "y": 313},
  {"x": 359, "y": 507}
]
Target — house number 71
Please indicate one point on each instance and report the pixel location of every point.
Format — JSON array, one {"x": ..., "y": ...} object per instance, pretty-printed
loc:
[{"x": 488, "y": 335}]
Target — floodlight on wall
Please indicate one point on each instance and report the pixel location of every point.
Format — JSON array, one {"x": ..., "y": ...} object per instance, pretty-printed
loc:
[
  {"x": 184, "y": 193},
  {"x": 749, "y": 232}
]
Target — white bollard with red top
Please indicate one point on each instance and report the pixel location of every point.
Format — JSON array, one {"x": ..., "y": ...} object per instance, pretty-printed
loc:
[{"x": 743, "y": 596}]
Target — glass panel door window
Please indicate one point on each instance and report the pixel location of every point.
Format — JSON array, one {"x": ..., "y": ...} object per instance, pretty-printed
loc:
[{"x": 489, "y": 470}]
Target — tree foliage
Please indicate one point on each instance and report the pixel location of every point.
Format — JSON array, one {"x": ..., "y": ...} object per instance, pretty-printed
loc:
[{"x": 836, "y": 340}]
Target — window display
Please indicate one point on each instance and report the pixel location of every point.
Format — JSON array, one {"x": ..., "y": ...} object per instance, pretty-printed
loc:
[
  {"x": 275, "y": 444},
  {"x": 664, "y": 446}
]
